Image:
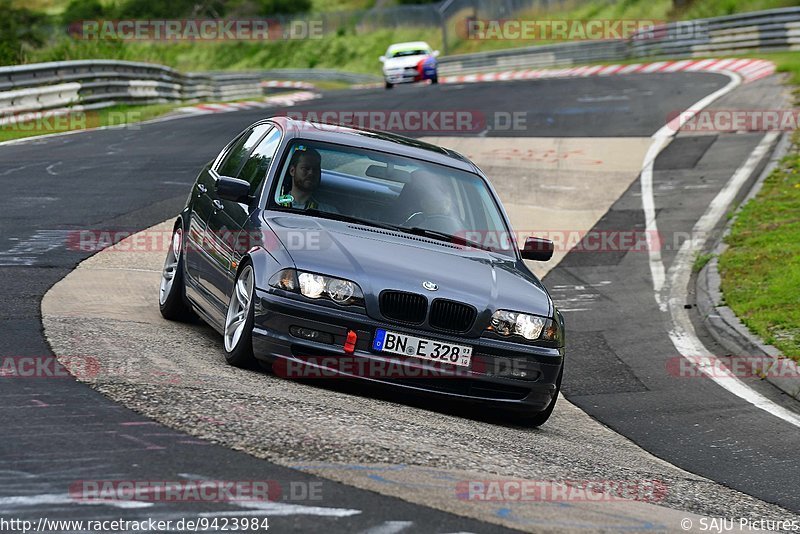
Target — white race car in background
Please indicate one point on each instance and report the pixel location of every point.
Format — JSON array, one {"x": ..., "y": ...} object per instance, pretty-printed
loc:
[{"x": 409, "y": 62}]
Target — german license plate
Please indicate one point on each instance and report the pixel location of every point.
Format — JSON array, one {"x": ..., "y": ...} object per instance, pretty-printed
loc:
[{"x": 426, "y": 349}]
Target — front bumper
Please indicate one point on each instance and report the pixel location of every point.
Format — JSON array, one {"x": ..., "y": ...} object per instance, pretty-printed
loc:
[
  {"x": 513, "y": 375},
  {"x": 409, "y": 75},
  {"x": 401, "y": 77}
]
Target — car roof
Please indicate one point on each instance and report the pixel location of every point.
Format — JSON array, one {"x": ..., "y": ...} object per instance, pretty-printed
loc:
[
  {"x": 412, "y": 45},
  {"x": 373, "y": 140}
]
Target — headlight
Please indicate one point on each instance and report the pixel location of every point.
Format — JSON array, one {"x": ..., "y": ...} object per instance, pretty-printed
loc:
[
  {"x": 531, "y": 327},
  {"x": 316, "y": 286}
]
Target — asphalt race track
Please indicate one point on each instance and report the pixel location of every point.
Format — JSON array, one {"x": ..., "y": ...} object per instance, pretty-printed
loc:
[{"x": 59, "y": 431}]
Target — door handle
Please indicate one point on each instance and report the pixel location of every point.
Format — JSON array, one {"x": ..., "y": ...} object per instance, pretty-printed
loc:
[
  {"x": 202, "y": 189},
  {"x": 218, "y": 206}
]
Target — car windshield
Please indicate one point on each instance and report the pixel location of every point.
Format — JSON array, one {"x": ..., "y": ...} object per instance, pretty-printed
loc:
[
  {"x": 391, "y": 191},
  {"x": 403, "y": 53}
]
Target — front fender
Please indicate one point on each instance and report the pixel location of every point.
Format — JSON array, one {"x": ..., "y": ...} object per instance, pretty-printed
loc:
[{"x": 264, "y": 266}]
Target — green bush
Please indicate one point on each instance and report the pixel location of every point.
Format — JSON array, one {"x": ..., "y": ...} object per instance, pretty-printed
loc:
[
  {"x": 83, "y": 10},
  {"x": 170, "y": 9},
  {"x": 19, "y": 27},
  {"x": 283, "y": 7}
]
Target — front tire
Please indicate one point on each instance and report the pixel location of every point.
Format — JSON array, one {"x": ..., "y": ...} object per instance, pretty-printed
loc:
[
  {"x": 389, "y": 85},
  {"x": 435, "y": 79},
  {"x": 171, "y": 300},
  {"x": 238, "y": 332}
]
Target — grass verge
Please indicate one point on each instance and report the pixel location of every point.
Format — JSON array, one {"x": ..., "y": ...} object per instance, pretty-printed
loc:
[
  {"x": 112, "y": 116},
  {"x": 760, "y": 269},
  {"x": 700, "y": 261},
  {"x": 83, "y": 120}
]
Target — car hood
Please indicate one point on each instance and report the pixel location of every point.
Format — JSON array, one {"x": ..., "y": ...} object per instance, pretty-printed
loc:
[
  {"x": 403, "y": 62},
  {"x": 379, "y": 259}
]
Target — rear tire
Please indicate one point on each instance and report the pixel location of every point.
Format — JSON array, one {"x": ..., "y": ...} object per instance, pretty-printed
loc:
[
  {"x": 435, "y": 79},
  {"x": 389, "y": 85},
  {"x": 171, "y": 299},
  {"x": 238, "y": 332}
]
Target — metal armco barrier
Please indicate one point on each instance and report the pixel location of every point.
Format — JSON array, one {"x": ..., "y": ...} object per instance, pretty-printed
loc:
[
  {"x": 94, "y": 84},
  {"x": 62, "y": 84},
  {"x": 774, "y": 29}
]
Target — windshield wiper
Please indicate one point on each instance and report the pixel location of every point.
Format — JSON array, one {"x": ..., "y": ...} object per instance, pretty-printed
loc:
[
  {"x": 347, "y": 218},
  {"x": 443, "y": 236}
]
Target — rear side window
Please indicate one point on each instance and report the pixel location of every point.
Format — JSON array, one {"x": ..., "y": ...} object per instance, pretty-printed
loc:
[
  {"x": 255, "y": 170},
  {"x": 234, "y": 159}
]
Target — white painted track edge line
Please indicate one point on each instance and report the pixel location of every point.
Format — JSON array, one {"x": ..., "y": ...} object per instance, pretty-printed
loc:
[
  {"x": 682, "y": 333},
  {"x": 661, "y": 139},
  {"x": 671, "y": 297}
]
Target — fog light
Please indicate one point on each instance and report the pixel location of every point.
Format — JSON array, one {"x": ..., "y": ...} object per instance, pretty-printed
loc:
[
  {"x": 311, "y": 335},
  {"x": 514, "y": 368}
]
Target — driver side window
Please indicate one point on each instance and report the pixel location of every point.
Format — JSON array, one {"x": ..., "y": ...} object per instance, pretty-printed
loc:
[
  {"x": 255, "y": 169},
  {"x": 233, "y": 160}
]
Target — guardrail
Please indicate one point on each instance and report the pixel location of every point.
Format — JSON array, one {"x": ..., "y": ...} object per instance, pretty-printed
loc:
[
  {"x": 565, "y": 54},
  {"x": 761, "y": 30},
  {"x": 93, "y": 84},
  {"x": 774, "y": 29},
  {"x": 60, "y": 85},
  {"x": 321, "y": 74}
]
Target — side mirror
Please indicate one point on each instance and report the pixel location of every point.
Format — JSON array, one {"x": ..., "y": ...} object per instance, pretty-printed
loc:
[
  {"x": 537, "y": 249},
  {"x": 435, "y": 53},
  {"x": 233, "y": 189},
  {"x": 382, "y": 59}
]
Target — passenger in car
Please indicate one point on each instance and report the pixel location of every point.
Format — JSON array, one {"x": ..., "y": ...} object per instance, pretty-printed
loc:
[{"x": 425, "y": 202}]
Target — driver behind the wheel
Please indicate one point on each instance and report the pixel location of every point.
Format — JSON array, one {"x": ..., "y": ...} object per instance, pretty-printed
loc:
[{"x": 302, "y": 181}]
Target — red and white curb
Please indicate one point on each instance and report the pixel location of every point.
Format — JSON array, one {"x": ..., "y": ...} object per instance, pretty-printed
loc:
[
  {"x": 367, "y": 85},
  {"x": 289, "y": 85},
  {"x": 268, "y": 102},
  {"x": 749, "y": 69}
]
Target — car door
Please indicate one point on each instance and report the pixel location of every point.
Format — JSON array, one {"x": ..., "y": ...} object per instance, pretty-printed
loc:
[
  {"x": 200, "y": 211},
  {"x": 228, "y": 218}
]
